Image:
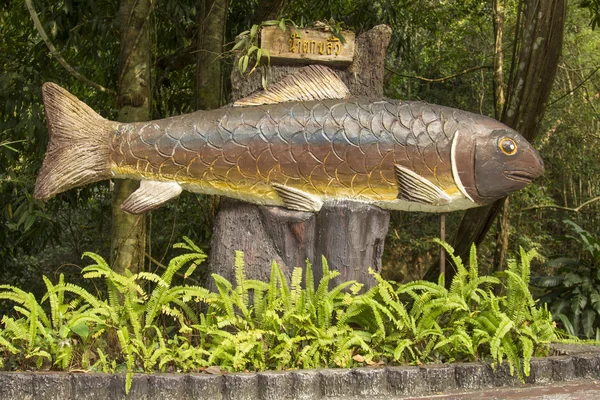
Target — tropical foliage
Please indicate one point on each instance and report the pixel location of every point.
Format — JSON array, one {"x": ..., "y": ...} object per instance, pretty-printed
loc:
[
  {"x": 146, "y": 323},
  {"x": 572, "y": 292}
]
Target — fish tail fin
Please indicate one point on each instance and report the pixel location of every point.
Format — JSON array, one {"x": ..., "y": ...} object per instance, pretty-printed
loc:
[{"x": 78, "y": 150}]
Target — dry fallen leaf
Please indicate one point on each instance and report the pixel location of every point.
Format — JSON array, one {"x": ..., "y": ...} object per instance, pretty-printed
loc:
[
  {"x": 215, "y": 370},
  {"x": 358, "y": 358}
]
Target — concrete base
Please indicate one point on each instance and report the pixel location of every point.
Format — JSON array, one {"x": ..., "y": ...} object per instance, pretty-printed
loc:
[{"x": 374, "y": 383}]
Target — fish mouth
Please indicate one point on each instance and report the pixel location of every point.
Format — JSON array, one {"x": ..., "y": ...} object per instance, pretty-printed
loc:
[{"x": 520, "y": 176}]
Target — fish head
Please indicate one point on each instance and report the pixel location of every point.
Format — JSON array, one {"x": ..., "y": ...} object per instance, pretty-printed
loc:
[{"x": 495, "y": 161}]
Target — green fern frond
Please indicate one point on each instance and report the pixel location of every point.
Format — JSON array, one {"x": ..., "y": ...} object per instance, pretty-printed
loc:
[
  {"x": 310, "y": 282},
  {"x": 240, "y": 279},
  {"x": 473, "y": 266},
  {"x": 189, "y": 245},
  {"x": 92, "y": 300},
  {"x": 296, "y": 286},
  {"x": 402, "y": 346},
  {"x": 527, "y": 350},
  {"x": 127, "y": 350},
  {"x": 224, "y": 298},
  {"x": 177, "y": 263},
  {"x": 4, "y": 343},
  {"x": 425, "y": 286},
  {"x": 17, "y": 330},
  {"x": 150, "y": 277},
  {"x": 457, "y": 261},
  {"x": 503, "y": 328},
  {"x": 53, "y": 300},
  {"x": 33, "y": 320},
  {"x": 283, "y": 288}
]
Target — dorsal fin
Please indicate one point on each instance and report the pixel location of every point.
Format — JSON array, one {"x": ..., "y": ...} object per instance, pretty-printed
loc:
[{"x": 313, "y": 82}]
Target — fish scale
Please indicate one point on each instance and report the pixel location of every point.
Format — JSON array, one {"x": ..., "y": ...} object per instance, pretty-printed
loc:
[{"x": 343, "y": 148}]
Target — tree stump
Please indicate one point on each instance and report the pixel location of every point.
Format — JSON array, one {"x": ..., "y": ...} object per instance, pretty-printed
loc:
[{"x": 350, "y": 235}]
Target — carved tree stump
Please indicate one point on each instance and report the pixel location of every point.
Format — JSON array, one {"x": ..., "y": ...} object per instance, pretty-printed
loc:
[{"x": 350, "y": 235}]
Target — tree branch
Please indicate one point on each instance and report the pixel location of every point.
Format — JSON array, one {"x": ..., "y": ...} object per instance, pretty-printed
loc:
[
  {"x": 466, "y": 71},
  {"x": 575, "y": 210},
  {"x": 570, "y": 92},
  {"x": 55, "y": 53}
]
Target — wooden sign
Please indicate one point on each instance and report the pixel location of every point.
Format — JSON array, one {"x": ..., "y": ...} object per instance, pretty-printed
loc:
[{"x": 307, "y": 46}]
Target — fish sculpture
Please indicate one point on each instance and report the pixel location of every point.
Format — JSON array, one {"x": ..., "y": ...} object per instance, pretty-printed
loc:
[{"x": 302, "y": 142}]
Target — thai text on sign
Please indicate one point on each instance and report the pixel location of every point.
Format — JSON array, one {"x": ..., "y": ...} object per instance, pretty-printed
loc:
[
  {"x": 333, "y": 45},
  {"x": 307, "y": 46}
]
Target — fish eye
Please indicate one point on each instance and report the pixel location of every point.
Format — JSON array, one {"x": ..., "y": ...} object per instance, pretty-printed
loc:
[{"x": 508, "y": 146}]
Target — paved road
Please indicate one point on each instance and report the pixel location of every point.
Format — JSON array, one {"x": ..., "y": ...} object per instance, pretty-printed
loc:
[{"x": 575, "y": 390}]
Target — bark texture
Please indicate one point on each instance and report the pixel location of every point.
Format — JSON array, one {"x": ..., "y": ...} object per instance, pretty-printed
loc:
[
  {"x": 350, "y": 235},
  {"x": 211, "y": 20},
  {"x": 529, "y": 88},
  {"x": 503, "y": 225},
  {"x": 268, "y": 9},
  {"x": 128, "y": 238},
  {"x": 499, "y": 98}
]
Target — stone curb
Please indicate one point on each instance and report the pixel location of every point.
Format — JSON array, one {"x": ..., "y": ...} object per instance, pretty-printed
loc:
[{"x": 376, "y": 383}]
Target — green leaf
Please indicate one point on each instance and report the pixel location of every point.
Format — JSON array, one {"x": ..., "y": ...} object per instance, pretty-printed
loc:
[
  {"x": 241, "y": 64},
  {"x": 81, "y": 329},
  {"x": 566, "y": 323},
  {"x": 588, "y": 318},
  {"x": 562, "y": 262},
  {"x": 340, "y": 37},
  {"x": 245, "y": 63},
  {"x": 547, "y": 281},
  {"x": 239, "y": 44}
]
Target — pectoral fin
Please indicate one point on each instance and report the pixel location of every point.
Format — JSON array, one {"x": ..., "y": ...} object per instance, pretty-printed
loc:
[
  {"x": 313, "y": 82},
  {"x": 415, "y": 188},
  {"x": 150, "y": 195},
  {"x": 298, "y": 200}
]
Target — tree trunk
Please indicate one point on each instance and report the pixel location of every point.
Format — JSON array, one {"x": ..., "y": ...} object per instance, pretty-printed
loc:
[
  {"x": 499, "y": 98},
  {"x": 128, "y": 240},
  {"x": 350, "y": 235},
  {"x": 499, "y": 105},
  {"x": 528, "y": 92},
  {"x": 211, "y": 20},
  {"x": 267, "y": 10},
  {"x": 502, "y": 236}
]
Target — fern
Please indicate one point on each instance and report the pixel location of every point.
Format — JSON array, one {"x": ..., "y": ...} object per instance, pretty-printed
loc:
[
  {"x": 280, "y": 324},
  {"x": 240, "y": 280},
  {"x": 127, "y": 349}
]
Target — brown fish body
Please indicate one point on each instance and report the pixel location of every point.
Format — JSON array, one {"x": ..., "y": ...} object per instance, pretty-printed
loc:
[
  {"x": 331, "y": 149},
  {"x": 298, "y": 154}
]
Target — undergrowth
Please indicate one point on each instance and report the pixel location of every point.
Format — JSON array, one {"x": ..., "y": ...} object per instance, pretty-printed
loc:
[{"x": 146, "y": 324}]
